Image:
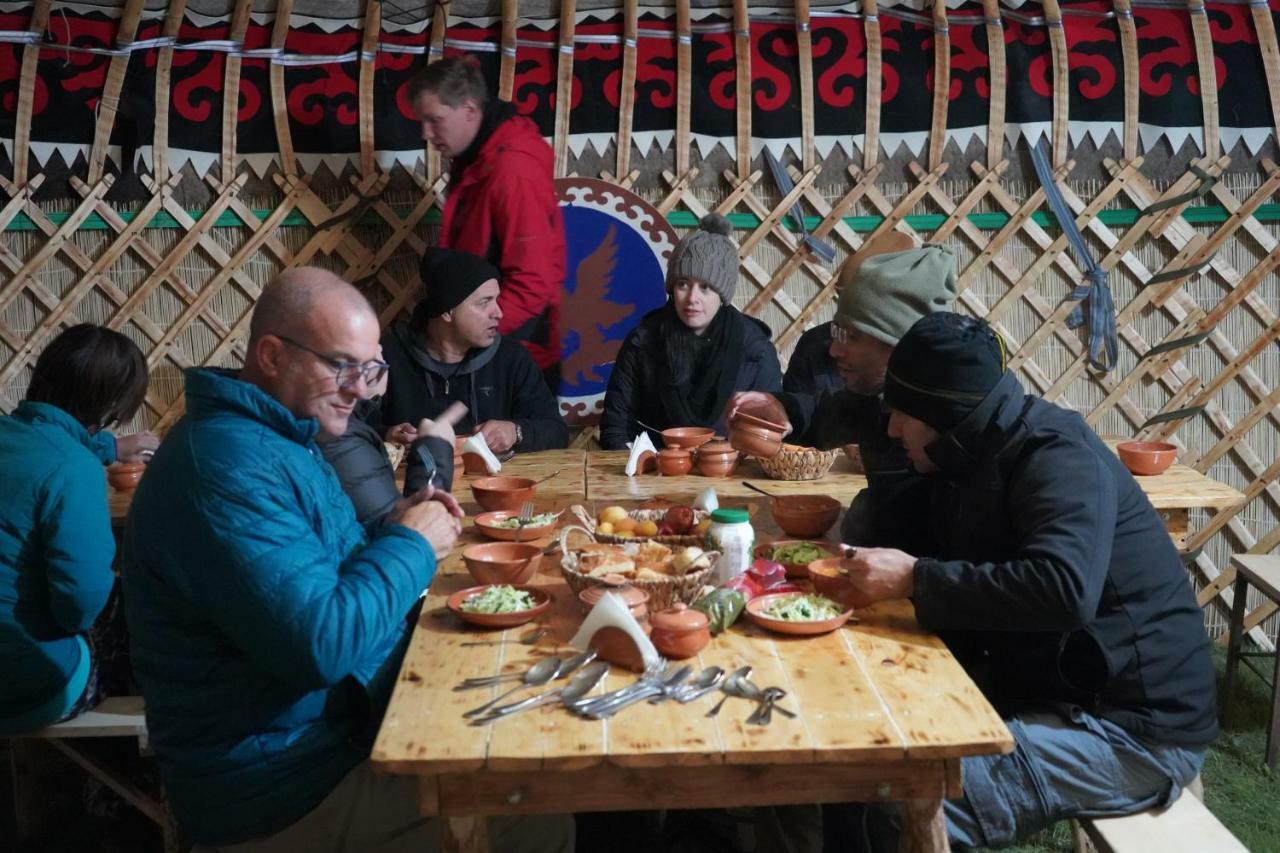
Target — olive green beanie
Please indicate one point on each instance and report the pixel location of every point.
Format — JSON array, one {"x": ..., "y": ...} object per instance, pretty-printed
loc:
[{"x": 888, "y": 293}]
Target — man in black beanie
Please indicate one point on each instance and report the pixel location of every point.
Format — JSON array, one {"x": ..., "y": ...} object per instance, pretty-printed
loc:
[
  {"x": 450, "y": 350},
  {"x": 1046, "y": 570}
]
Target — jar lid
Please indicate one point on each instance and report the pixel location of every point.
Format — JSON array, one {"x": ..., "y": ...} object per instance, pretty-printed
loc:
[
  {"x": 720, "y": 446},
  {"x": 731, "y": 516},
  {"x": 680, "y": 617},
  {"x": 674, "y": 452},
  {"x": 630, "y": 595}
]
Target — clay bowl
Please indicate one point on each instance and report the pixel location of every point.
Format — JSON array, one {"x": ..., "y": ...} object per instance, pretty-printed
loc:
[
  {"x": 616, "y": 646},
  {"x": 717, "y": 459},
  {"x": 488, "y": 524},
  {"x": 674, "y": 462},
  {"x": 794, "y": 570},
  {"x": 680, "y": 632},
  {"x": 636, "y": 599},
  {"x": 829, "y": 578},
  {"x": 124, "y": 476},
  {"x": 502, "y": 562},
  {"x": 805, "y": 516},
  {"x": 541, "y": 603},
  {"x": 1146, "y": 458},
  {"x": 756, "y": 436},
  {"x": 687, "y": 438},
  {"x": 502, "y": 493},
  {"x": 756, "y": 610}
]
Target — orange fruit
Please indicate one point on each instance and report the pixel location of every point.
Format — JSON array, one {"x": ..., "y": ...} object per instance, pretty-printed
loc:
[
  {"x": 613, "y": 514},
  {"x": 626, "y": 524},
  {"x": 604, "y": 528},
  {"x": 647, "y": 528}
]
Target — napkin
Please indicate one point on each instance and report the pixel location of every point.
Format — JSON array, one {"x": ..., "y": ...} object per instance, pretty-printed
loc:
[
  {"x": 477, "y": 445},
  {"x": 611, "y": 612},
  {"x": 707, "y": 500},
  {"x": 642, "y": 445}
]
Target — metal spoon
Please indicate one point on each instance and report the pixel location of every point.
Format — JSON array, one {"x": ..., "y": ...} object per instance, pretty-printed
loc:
[
  {"x": 661, "y": 688},
  {"x": 491, "y": 680},
  {"x": 580, "y": 684},
  {"x": 753, "y": 487},
  {"x": 730, "y": 687},
  {"x": 527, "y": 640},
  {"x": 540, "y": 673},
  {"x": 748, "y": 689},
  {"x": 707, "y": 680}
]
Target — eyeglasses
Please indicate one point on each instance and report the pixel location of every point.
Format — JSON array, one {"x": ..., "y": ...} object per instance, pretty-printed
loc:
[
  {"x": 840, "y": 335},
  {"x": 347, "y": 373}
]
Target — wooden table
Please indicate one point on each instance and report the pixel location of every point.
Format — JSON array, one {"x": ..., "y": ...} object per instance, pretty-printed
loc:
[
  {"x": 885, "y": 714},
  {"x": 606, "y": 481}
]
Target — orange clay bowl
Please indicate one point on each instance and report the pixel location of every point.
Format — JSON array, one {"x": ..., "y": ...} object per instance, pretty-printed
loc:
[
  {"x": 830, "y": 578},
  {"x": 541, "y": 603},
  {"x": 124, "y": 476},
  {"x": 756, "y": 610},
  {"x": 687, "y": 438},
  {"x": 502, "y": 493},
  {"x": 756, "y": 436},
  {"x": 795, "y": 570},
  {"x": 805, "y": 516},
  {"x": 502, "y": 562},
  {"x": 488, "y": 524},
  {"x": 1147, "y": 457}
]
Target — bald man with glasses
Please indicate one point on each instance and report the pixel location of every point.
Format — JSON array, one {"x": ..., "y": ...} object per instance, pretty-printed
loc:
[{"x": 267, "y": 626}]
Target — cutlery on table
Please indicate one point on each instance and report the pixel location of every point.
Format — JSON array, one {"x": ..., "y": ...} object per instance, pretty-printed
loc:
[{"x": 730, "y": 688}]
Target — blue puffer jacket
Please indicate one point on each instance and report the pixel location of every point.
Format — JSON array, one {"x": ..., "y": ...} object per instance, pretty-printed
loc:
[
  {"x": 266, "y": 631},
  {"x": 55, "y": 555}
]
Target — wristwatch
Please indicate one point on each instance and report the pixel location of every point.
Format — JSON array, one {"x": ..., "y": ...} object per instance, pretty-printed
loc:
[{"x": 519, "y": 435}]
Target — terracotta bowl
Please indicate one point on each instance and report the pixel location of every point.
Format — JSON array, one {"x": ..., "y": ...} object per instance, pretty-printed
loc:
[
  {"x": 1147, "y": 457},
  {"x": 717, "y": 459},
  {"x": 124, "y": 476},
  {"x": 756, "y": 436},
  {"x": 674, "y": 462},
  {"x": 541, "y": 603},
  {"x": 795, "y": 570},
  {"x": 499, "y": 493},
  {"x": 829, "y": 578},
  {"x": 502, "y": 562},
  {"x": 487, "y": 523},
  {"x": 756, "y": 611},
  {"x": 616, "y": 646},
  {"x": 687, "y": 437},
  {"x": 805, "y": 516}
]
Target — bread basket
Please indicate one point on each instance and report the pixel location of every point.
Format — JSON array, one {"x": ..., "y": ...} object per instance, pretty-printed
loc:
[
  {"x": 662, "y": 593},
  {"x": 799, "y": 463}
]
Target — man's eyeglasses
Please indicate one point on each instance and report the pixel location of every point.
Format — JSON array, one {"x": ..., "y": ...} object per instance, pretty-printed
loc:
[
  {"x": 839, "y": 334},
  {"x": 347, "y": 373}
]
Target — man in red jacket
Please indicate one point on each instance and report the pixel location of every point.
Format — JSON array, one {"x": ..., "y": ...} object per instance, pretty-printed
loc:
[{"x": 501, "y": 202}]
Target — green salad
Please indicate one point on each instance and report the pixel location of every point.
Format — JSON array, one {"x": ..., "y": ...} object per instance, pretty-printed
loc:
[
  {"x": 498, "y": 599},
  {"x": 797, "y": 553},
  {"x": 539, "y": 520},
  {"x": 803, "y": 608}
]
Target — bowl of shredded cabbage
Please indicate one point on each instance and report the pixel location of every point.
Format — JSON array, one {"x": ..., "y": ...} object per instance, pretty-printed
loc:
[
  {"x": 505, "y": 526},
  {"x": 499, "y": 605},
  {"x": 797, "y": 613}
]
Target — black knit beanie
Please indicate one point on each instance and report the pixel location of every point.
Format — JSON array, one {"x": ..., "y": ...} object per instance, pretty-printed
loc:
[
  {"x": 448, "y": 278},
  {"x": 943, "y": 367}
]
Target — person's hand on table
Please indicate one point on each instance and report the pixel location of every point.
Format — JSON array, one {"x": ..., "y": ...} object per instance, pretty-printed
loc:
[
  {"x": 433, "y": 513},
  {"x": 499, "y": 435},
  {"x": 442, "y": 426},
  {"x": 880, "y": 574},
  {"x": 139, "y": 447},
  {"x": 758, "y": 404}
]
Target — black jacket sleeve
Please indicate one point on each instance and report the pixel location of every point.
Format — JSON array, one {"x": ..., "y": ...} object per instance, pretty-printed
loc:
[
  {"x": 362, "y": 466},
  {"x": 762, "y": 355},
  {"x": 535, "y": 408},
  {"x": 618, "y": 422},
  {"x": 1061, "y": 509},
  {"x": 810, "y": 365},
  {"x": 430, "y": 461}
]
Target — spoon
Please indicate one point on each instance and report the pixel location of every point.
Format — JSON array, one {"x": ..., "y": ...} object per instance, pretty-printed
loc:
[
  {"x": 580, "y": 684},
  {"x": 527, "y": 640},
  {"x": 660, "y": 689},
  {"x": 748, "y": 689},
  {"x": 555, "y": 473},
  {"x": 753, "y": 487},
  {"x": 540, "y": 673},
  {"x": 561, "y": 669},
  {"x": 730, "y": 687},
  {"x": 704, "y": 683}
]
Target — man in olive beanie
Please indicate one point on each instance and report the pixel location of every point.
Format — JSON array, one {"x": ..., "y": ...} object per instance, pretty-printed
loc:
[
  {"x": 1041, "y": 563},
  {"x": 889, "y": 292}
]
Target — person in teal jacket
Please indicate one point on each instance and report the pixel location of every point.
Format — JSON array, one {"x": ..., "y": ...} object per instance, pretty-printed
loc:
[
  {"x": 266, "y": 629},
  {"x": 56, "y": 545}
]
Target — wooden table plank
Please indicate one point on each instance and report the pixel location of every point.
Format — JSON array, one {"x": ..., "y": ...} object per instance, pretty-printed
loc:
[{"x": 1180, "y": 487}]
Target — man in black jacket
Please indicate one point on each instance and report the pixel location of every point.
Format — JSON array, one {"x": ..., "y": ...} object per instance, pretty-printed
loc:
[
  {"x": 450, "y": 351},
  {"x": 1046, "y": 570}
]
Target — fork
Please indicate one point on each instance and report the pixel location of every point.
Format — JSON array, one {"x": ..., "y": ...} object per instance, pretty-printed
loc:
[{"x": 525, "y": 518}]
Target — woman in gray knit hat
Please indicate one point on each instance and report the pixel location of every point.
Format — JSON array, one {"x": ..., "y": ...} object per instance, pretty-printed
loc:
[{"x": 679, "y": 366}]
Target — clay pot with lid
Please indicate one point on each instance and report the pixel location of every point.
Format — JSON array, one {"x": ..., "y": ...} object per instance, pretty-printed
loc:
[
  {"x": 674, "y": 461},
  {"x": 680, "y": 631},
  {"x": 717, "y": 459},
  {"x": 636, "y": 599},
  {"x": 756, "y": 436}
]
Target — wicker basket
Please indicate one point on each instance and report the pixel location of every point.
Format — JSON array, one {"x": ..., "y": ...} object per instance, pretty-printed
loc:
[
  {"x": 662, "y": 593},
  {"x": 799, "y": 463},
  {"x": 654, "y": 515}
]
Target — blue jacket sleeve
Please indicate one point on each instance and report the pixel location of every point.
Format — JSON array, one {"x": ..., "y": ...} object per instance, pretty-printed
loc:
[
  {"x": 103, "y": 445},
  {"x": 307, "y": 616},
  {"x": 1065, "y": 526},
  {"x": 75, "y": 526}
]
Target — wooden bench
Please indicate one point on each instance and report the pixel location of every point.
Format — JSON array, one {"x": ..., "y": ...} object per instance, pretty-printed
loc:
[
  {"x": 1186, "y": 826},
  {"x": 118, "y": 716},
  {"x": 1262, "y": 571}
]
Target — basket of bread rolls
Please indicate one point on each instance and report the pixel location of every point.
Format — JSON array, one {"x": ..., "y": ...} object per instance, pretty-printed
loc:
[
  {"x": 668, "y": 573},
  {"x": 794, "y": 462}
]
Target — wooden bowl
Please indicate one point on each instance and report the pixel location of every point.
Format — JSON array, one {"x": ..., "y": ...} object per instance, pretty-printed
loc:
[
  {"x": 487, "y": 523},
  {"x": 795, "y": 570},
  {"x": 541, "y": 603},
  {"x": 1146, "y": 458},
  {"x": 805, "y": 516},
  {"x": 502, "y": 562},
  {"x": 124, "y": 476},
  {"x": 757, "y": 606},
  {"x": 687, "y": 437},
  {"x": 499, "y": 493}
]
